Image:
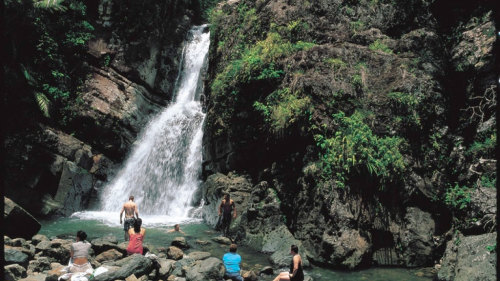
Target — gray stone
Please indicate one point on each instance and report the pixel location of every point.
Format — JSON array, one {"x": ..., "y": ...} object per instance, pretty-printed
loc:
[
  {"x": 165, "y": 268},
  {"x": 74, "y": 188},
  {"x": 39, "y": 265},
  {"x": 17, "y": 242},
  {"x": 468, "y": 258},
  {"x": 14, "y": 272},
  {"x": 180, "y": 242},
  {"x": 36, "y": 277},
  {"x": 266, "y": 270},
  {"x": 417, "y": 241},
  {"x": 174, "y": 253},
  {"x": 38, "y": 238},
  {"x": 109, "y": 255},
  {"x": 199, "y": 255},
  {"x": 57, "y": 250},
  {"x": 18, "y": 222},
  {"x": 137, "y": 264},
  {"x": 15, "y": 255},
  {"x": 211, "y": 269},
  {"x": 222, "y": 240}
]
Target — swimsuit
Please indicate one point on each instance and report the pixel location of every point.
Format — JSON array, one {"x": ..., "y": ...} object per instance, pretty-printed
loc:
[
  {"x": 299, "y": 276},
  {"x": 128, "y": 223},
  {"x": 135, "y": 244}
]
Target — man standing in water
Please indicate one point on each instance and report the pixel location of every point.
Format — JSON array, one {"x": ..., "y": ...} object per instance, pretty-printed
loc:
[
  {"x": 130, "y": 209},
  {"x": 225, "y": 208}
]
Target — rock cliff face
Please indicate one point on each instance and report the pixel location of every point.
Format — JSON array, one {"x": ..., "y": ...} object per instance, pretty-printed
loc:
[
  {"x": 56, "y": 171},
  {"x": 291, "y": 84}
]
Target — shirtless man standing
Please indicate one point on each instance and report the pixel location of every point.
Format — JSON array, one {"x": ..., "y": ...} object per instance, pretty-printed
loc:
[
  {"x": 130, "y": 208},
  {"x": 227, "y": 207}
]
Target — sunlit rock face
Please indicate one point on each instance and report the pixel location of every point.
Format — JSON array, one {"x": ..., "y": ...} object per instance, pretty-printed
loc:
[
  {"x": 57, "y": 171},
  {"x": 274, "y": 99}
]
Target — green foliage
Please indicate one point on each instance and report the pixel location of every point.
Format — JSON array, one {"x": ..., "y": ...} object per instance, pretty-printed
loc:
[
  {"x": 484, "y": 145},
  {"x": 491, "y": 248},
  {"x": 336, "y": 63},
  {"x": 207, "y": 7},
  {"x": 405, "y": 107},
  {"x": 355, "y": 149},
  {"x": 357, "y": 81},
  {"x": 488, "y": 181},
  {"x": 43, "y": 103},
  {"x": 283, "y": 108},
  {"x": 54, "y": 5},
  {"x": 379, "y": 46},
  {"x": 357, "y": 26},
  {"x": 457, "y": 196},
  {"x": 49, "y": 50},
  {"x": 257, "y": 63}
]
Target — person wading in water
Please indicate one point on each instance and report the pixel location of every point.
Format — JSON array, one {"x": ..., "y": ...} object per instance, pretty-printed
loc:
[
  {"x": 226, "y": 206},
  {"x": 130, "y": 208}
]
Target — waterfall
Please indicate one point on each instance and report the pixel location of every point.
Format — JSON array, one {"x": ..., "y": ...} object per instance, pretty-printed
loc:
[{"x": 163, "y": 169}]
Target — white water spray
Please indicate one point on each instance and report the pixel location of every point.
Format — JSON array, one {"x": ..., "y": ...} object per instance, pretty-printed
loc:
[{"x": 162, "y": 172}]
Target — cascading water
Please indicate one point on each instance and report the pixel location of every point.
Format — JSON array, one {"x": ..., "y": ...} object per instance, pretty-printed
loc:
[{"x": 162, "y": 172}]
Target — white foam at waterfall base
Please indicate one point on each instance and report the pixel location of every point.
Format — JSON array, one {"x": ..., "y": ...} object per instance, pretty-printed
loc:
[{"x": 163, "y": 168}]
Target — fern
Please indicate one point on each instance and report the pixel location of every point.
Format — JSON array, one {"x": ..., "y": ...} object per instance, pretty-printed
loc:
[
  {"x": 43, "y": 103},
  {"x": 55, "y": 5}
]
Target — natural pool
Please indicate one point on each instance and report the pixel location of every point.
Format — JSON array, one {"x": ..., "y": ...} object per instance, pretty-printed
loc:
[{"x": 195, "y": 229}]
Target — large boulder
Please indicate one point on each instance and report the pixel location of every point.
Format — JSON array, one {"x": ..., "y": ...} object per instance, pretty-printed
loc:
[
  {"x": 106, "y": 243},
  {"x": 15, "y": 255},
  {"x": 109, "y": 255},
  {"x": 39, "y": 238},
  {"x": 211, "y": 269},
  {"x": 136, "y": 264},
  {"x": 14, "y": 272},
  {"x": 39, "y": 265},
  {"x": 416, "y": 239},
  {"x": 165, "y": 268},
  {"x": 57, "y": 250},
  {"x": 174, "y": 253},
  {"x": 180, "y": 242},
  {"x": 470, "y": 258},
  {"x": 18, "y": 222}
]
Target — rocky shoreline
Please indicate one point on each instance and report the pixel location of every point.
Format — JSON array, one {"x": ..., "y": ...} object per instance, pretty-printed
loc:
[{"x": 44, "y": 259}]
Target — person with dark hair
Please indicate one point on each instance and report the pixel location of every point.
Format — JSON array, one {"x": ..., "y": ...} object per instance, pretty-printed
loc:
[
  {"x": 177, "y": 228},
  {"x": 130, "y": 208},
  {"x": 296, "y": 272},
  {"x": 232, "y": 262},
  {"x": 225, "y": 208},
  {"x": 79, "y": 254},
  {"x": 136, "y": 236}
]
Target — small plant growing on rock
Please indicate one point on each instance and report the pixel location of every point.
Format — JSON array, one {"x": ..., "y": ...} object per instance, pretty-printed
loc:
[{"x": 379, "y": 46}]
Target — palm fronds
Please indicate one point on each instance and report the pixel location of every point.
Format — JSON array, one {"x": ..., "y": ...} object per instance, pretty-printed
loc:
[
  {"x": 43, "y": 103},
  {"x": 54, "y": 5}
]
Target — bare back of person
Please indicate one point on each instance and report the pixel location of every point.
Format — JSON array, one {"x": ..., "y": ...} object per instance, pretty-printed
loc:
[{"x": 129, "y": 208}]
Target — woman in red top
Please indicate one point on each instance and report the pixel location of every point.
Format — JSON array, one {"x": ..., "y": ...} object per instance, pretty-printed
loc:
[{"x": 136, "y": 236}]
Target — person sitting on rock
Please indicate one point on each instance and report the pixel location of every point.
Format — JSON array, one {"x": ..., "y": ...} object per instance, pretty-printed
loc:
[
  {"x": 176, "y": 228},
  {"x": 79, "y": 254},
  {"x": 136, "y": 237},
  {"x": 296, "y": 273},
  {"x": 232, "y": 262},
  {"x": 225, "y": 208}
]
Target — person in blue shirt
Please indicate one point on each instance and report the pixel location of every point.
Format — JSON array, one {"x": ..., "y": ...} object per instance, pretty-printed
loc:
[{"x": 232, "y": 262}]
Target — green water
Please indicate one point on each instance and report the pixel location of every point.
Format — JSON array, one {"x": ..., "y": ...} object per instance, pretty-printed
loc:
[{"x": 156, "y": 236}]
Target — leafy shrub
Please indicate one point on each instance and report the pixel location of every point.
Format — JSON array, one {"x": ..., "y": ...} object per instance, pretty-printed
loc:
[
  {"x": 355, "y": 149},
  {"x": 379, "y": 46},
  {"x": 283, "y": 108},
  {"x": 258, "y": 62},
  {"x": 457, "y": 196},
  {"x": 405, "y": 107}
]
